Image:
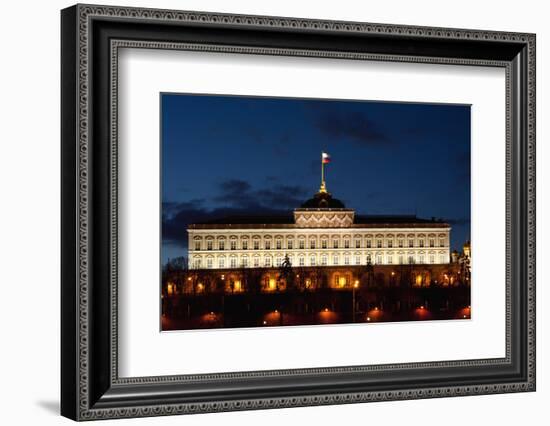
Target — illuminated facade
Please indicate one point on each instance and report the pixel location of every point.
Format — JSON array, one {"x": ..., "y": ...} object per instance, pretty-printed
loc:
[{"x": 322, "y": 232}]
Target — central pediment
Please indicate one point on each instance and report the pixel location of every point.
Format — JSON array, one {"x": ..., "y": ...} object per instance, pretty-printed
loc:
[{"x": 324, "y": 218}]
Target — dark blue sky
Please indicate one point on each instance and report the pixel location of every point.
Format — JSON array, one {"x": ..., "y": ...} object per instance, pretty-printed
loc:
[{"x": 225, "y": 155}]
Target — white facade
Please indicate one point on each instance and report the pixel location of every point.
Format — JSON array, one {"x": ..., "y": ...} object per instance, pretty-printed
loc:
[{"x": 321, "y": 237}]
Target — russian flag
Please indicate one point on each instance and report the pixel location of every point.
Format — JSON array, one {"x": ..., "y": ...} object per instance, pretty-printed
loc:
[{"x": 325, "y": 158}]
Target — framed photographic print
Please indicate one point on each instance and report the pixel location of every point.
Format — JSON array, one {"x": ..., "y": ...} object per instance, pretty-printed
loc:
[{"x": 264, "y": 212}]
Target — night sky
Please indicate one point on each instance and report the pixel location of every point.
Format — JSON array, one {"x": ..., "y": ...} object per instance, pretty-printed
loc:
[{"x": 229, "y": 155}]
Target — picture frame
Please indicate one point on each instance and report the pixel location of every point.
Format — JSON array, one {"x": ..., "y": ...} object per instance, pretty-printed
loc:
[{"x": 90, "y": 384}]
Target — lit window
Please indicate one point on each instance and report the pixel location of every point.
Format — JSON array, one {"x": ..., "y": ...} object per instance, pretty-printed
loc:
[
  {"x": 209, "y": 245},
  {"x": 289, "y": 244},
  {"x": 346, "y": 243},
  {"x": 256, "y": 244},
  {"x": 302, "y": 244},
  {"x": 324, "y": 244},
  {"x": 245, "y": 244},
  {"x": 233, "y": 245},
  {"x": 342, "y": 281},
  {"x": 221, "y": 245},
  {"x": 197, "y": 245},
  {"x": 278, "y": 244}
]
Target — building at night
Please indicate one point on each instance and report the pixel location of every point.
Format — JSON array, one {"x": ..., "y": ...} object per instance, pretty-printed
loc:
[{"x": 322, "y": 232}]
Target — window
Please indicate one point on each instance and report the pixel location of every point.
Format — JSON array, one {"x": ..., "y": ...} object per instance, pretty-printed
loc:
[
  {"x": 411, "y": 259},
  {"x": 209, "y": 245},
  {"x": 197, "y": 263},
  {"x": 221, "y": 263},
  {"x": 421, "y": 259},
  {"x": 197, "y": 245},
  {"x": 268, "y": 245},
  {"x": 346, "y": 243},
  {"x": 432, "y": 243},
  {"x": 256, "y": 244},
  {"x": 390, "y": 243},
  {"x": 245, "y": 262},
  {"x": 312, "y": 261},
  {"x": 442, "y": 259},
  {"x": 335, "y": 259},
  {"x": 357, "y": 260},
  {"x": 368, "y": 243},
  {"x": 441, "y": 242},
  {"x": 357, "y": 243},
  {"x": 401, "y": 259},
  {"x": 233, "y": 245},
  {"x": 302, "y": 261},
  {"x": 278, "y": 244},
  {"x": 369, "y": 260},
  {"x": 289, "y": 244},
  {"x": 324, "y": 260},
  {"x": 378, "y": 259},
  {"x": 421, "y": 243},
  {"x": 379, "y": 243},
  {"x": 245, "y": 244},
  {"x": 221, "y": 245},
  {"x": 346, "y": 260},
  {"x": 278, "y": 261},
  {"x": 209, "y": 263},
  {"x": 312, "y": 244},
  {"x": 256, "y": 262},
  {"x": 267, "y": 262},
  {"x": 335, "y": 244},
  {"x": 302, "y": 244},
  {"x": 324, "y": 244},
  {"x": 390, "y": 259},
  {"x": 432, "y": 258},
  {"x": 233, "y": 262},
  {"x": 411, "y": 243}
]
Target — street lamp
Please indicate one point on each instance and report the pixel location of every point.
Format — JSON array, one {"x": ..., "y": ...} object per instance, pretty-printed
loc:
[{"x": 355, "y": 286}]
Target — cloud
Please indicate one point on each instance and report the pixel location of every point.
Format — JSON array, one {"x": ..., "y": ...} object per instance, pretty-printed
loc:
[
  {"x": 236, "y": 197},
  {"x": 355, "y": 126}
]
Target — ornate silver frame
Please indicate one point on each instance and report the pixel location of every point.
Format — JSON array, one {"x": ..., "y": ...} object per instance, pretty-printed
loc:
[{"x": 91, "y": 388}]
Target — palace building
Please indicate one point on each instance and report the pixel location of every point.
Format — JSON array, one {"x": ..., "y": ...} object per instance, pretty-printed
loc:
[{"x": 321, "y": 232}]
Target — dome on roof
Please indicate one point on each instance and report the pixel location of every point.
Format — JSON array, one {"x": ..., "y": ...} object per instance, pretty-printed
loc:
[{"x": 323, "y": 200}]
